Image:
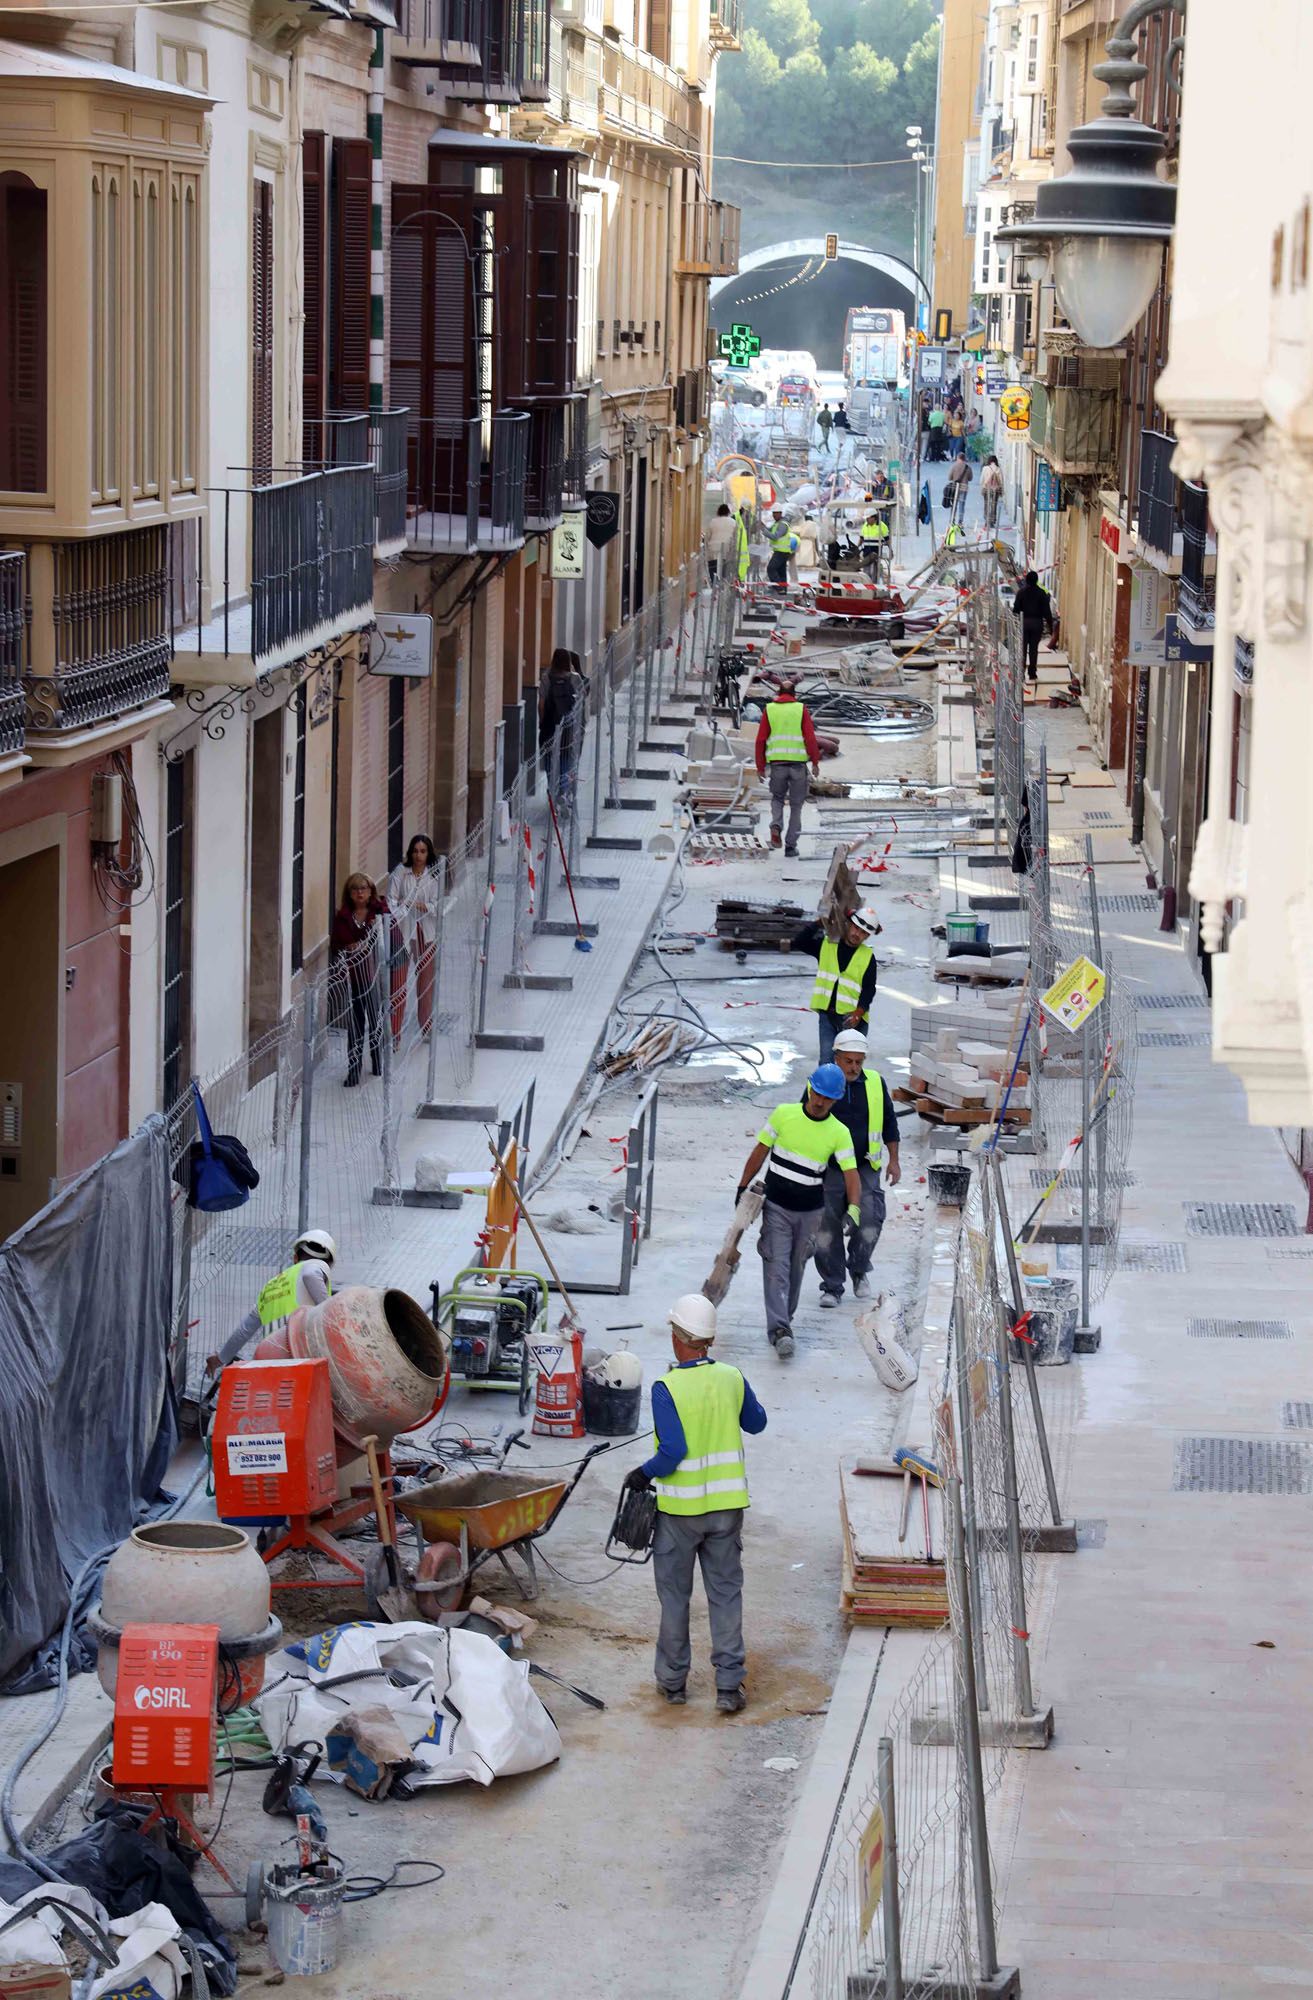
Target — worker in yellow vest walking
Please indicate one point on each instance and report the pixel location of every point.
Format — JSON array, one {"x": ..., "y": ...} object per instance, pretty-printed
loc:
[
  {"x": 786, "y": 745},
  {"x": 867, "y": 1109},
  {"x": 843, "y": 990},
  {"x": 699, "y": 1414}
]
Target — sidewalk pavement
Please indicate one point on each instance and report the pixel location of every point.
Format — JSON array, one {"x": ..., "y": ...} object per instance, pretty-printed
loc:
[{"x": 1159, "y": 1844}]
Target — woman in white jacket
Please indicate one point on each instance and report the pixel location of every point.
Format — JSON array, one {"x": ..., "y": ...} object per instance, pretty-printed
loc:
[{"x": 413, "y": 898}]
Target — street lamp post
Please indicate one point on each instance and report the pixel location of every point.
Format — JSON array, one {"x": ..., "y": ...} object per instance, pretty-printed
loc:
[{"x": 1103, "y": 225}]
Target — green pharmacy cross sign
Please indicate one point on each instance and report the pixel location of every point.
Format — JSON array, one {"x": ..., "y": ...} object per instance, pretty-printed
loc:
[{"x": 740, "y": 345}]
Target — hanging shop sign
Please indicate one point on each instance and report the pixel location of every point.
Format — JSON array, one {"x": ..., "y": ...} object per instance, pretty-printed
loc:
[
  {"x": 1147, "y": 639},
  {"x": 1110, "y": 534},
  {"x": 1177, "y": 647},
  {"x": 996, "y": 381},
  {"x": 740, "y": 345},
  {"x": 1014, "y": 407},
  {"x": 1075, "y": 993},
  {"x": 402, "y": 645},
  {"x": 567, "y": 558},
  {"x": 1048, "y": 489},
  {"x": 603, "y": 513}
]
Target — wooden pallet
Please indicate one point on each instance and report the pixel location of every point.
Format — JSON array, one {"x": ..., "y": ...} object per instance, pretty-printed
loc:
[{"x": 729, "y": 846}]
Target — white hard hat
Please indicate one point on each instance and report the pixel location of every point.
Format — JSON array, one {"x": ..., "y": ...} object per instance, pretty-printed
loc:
[
  {"x": 866, "y": 919},
  {"x": 850, "y": 1041},
  {"x": 694, "y": 1316},
  {"x": 621, "y": 1370},
  {"x": 316, "y": 1243}
]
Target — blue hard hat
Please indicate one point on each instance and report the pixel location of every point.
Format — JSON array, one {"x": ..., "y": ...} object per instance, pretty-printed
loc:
[{"x": 828, "y": 1081}]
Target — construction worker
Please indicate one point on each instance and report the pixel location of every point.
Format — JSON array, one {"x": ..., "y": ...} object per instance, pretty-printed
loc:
[
  {"x": 846, "y": 972},
  {"x": 867, "y": 1109},
  {"x": 874, "y": 538},
  {"x": 783, "y": 544},
  {"x": 786, "y": 741},
  {"x": 799, "y": 1140},
  {"x": 306, "y": 1281},
  {"x": 743, "y": 553},
  {"x": 699, "y": 1413}
]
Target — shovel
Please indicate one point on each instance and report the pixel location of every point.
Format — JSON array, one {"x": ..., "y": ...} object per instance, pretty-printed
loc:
[{"x": 395, "y": 1597}]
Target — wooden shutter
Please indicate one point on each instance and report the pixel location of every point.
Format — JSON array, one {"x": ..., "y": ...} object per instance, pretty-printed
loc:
[
  {"x": 314, "y": 243},
  {"x": 431, "y": 331},
  {"x": 349, "y": 378},
  {"x": 262, "y": 332},
  {"x": 552, "y": 236},
  {"x": 23, "y": 335}
]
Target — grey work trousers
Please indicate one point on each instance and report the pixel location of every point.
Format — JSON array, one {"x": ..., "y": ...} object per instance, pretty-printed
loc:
[
  {"x": 787, "y": 1238},
  {"x": 835, "y": 1227},
  {"x": 788, "y": 783},
  {"x": 715, "y": 1542}
]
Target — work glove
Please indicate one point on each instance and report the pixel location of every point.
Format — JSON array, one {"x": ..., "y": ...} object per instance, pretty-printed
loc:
[
  {"x": 636, "y": 1481},
  {"x": 854, "y": 1214}
]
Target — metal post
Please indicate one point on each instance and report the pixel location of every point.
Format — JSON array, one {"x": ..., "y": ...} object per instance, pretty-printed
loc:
[
  {"x": 490, "y": 892},
  {"x": 967, "y": 1447},
  {"x": 1018, "y": 1308},
  {"x": 182, "y": 1315},
  {"x": 307, "y": 1103},
  {"x": 1012, "y": 1512},
  {"x": 890, "y": 1920},
  {"x": 431, "y": 1089},
  {"x": 602, "y": 705},
  {"x": 1101, "y": 1138},
  {"x": 653, "y": 1099},
  {"x": 968, "y": 1738},
  {"x": 383, "y": 1002}
]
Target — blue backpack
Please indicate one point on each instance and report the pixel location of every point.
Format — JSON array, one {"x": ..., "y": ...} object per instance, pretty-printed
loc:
[{"x": 220, "y": 1171}]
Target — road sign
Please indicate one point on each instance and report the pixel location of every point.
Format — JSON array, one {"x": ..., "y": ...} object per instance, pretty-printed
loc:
[
  {"x": 870, "y": 1866},
  {"x": 1075, "y": 993},
  {"x": 996, "y": 381},
  {"x": 740, "y": 345},
  {"x": 932, "y": 364},
  {"x": 831, "y": 248}
]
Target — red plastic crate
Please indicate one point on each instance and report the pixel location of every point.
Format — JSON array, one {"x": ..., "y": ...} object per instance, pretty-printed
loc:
[{"x": 164, "y": 1707}]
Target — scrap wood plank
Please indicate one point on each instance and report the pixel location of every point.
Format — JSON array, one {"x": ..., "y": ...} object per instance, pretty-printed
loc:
[
  {"x": 727, "y": 1257},
  {"x": 839, "y": 895}
]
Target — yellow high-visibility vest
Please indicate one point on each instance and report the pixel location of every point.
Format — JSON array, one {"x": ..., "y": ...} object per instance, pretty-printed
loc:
[
  {"x": 785, "y": 742},
  {"x": 709, "y": 1401},
  {"x": 839, "y": 991}
]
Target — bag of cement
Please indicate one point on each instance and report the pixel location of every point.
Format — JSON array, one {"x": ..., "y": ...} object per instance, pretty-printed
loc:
[
  {"x": 368, "y": 1747},
  {"x": 882, "y": 1332}
]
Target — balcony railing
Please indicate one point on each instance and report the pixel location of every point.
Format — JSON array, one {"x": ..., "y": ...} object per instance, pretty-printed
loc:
[
  {"x": 335, "y": 440},
  {"x": 1074, "y": 429},
  {"x": 708, "y": 238},
  {"x": 441, "y": 31},
  {"x": 387, "y": 443},
  {"x": 1196, "y": 590},
  {"x": 108, "y": 632},
  {"x": 643, "y": 96},
  {"x": 12, "y": 625},
  {"x": 1157, "y": 513},
  {"x": 727, "y": 24},
  {"x": 544, "y": 484},
  {"x": 309, "y": 541},
  {"x": 574, "y": 476},
  {"x": 465, "y": 483}
]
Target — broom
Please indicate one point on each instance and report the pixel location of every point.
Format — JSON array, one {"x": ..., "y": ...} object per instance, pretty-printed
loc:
[{"x": 581, "y": 943}]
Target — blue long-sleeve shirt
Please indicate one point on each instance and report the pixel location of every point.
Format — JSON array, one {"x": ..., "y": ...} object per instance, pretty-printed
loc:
[{"x": 672, "y": 1446}]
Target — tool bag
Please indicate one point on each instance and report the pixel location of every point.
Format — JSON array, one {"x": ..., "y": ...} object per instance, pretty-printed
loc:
[{"x": 220, "y": 1171}]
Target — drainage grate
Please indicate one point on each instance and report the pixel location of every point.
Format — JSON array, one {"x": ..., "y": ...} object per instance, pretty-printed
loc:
[
  {"x": 1302, "y": 1251},
  {"x": 1170, "y": 1038},
  {"x": 1116, "y": 1177},
  {"x": 1099, "y": 819},
  {"x": 1164, "y": 1000},
  {"x": 1297, "y": 1416},
  {"x": 1132, "y": 1257},
  {"x": 1242, "y": 1465},
  {"x": 1125, "y": 906},
  {"x": 1240, "y": 1218},
  {"x": 1239, "y": 1329}
]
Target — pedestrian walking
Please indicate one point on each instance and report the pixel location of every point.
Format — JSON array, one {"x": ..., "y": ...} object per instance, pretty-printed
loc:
[
  {"x": 959, "y": 481},
  {"x": 786, "y": 742},
  {"x": 843, "y": 991},
  {"x": 867, "y": 1109},
  {"x": 353, "y": 947},
  {"x": 824, "y": 421},
  {"x": 935, "y": 446},
  {"x": 719, "y": 542},
  {"x": 841, "y": 422},
  {"x": 700, "y": 1411},
  {"x": 413, "y": 898},
  {"x": 562, "y": 718},
  {"x": 799, "y": 1141},
  {"x": 783, "y": 544},
  {"x": 1034, "y": 607},
  {"x": 991, "y": 491}
]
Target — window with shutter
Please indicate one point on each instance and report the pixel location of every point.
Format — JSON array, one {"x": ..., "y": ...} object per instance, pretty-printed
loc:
[
  {"x": 314, "y": 244},
  {"x": 23, "y": 335},
  {"x": 432, "y": 349},
  {"x": 349, "y": 347},
  {"x": 551, "y": 236},
  {"x": 262, "y": 333}
]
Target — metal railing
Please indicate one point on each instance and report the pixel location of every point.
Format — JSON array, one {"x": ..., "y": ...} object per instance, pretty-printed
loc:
[
  {"x": 641, "y": 94},
  {"x": 465, "y": 482},
  {"x": 335, "y": 440},
  {"x": 727, "y": 22},
  {"x": 387, "y": 445},
  {"x": 574, "y": 480},
  {"x": 1157, "y": 500},
  {"x": 544, "y": 485},
  {"x": 1196, "y": 591},
  {"x": 109, "y": 614},
  {"x": 12, "y": 633},
  {"x": 1074, "y": 429}
]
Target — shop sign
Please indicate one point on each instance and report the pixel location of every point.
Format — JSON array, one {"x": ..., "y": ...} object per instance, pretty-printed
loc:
[
  {"x": 996, "y": 381},
  {"x": 567, "y": 559},
  {"x": 1048, "y": 489},
  {"x": 932, "y": 364},
  {"x": 603, "y": 518},
  {"x": 1014, "y": 407},
  {"x": 1110, "y": 534},
  {"x": 402, "y": 645},
  {"x": 1147, "y": 641},
  {"x": 1177, "y": 647}
]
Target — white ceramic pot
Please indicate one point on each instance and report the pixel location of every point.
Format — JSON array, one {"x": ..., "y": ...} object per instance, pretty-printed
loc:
[{"x": 187, "y": 1573}]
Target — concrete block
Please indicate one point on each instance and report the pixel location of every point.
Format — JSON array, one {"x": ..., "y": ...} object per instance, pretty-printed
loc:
[{"x": 505, "y": 1038}]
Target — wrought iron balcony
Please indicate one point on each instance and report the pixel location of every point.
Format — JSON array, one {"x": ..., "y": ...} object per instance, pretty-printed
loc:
[
  {"x": 99, "y": 638},
  {"x": 335, "y": 440},
  {"x": 1074, "y": 429},
  {"x": 387, "y": 443},
  {"x": 727, "y": 24},
  {"x": 574, "y": 484},
  {"x": 1196, "y": 590},
  {"x": 465, "y": 483},
  {"x": 12, "y": 628},
  {"x": 1157, "y": 504},
  {"x": 308, "y": 574}
]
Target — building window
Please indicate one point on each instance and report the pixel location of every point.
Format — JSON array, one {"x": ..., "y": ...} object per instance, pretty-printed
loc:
[
  {"x": 351, "y": 207},
  {"x": 1032, "y": 49},
  {"x": 298, "y": 833},
  {"x": 186, "y": 333},
  {"x": 106, "y": 317},
  {"x": 396, "y": 768},
  {"x": 177, "y": 925},
  {"x": 23, "y": 335},
  {"x": 262, "y": 332}
]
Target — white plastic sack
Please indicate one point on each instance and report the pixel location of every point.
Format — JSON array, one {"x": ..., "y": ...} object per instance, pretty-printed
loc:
[
  {"x": 881, "y": 1331},
  {"x": 149, "y": 1962},
  {"x": 467, "y": 1711},
  {"x": 36, "y": 1940}
]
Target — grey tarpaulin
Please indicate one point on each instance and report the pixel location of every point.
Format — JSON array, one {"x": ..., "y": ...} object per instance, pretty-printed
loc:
[{"x": 86, "y": 1413}]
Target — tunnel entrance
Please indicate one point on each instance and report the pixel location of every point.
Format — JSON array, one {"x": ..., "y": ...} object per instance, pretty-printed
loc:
[{"x": 811, "y": 314}]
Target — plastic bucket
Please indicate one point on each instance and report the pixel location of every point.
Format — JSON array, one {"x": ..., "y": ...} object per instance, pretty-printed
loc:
[
  {"x": 982, "y": 930},
  {"x": 949, "y": 1184},
  {"x": 304, "y": 1916},
  {"x": 960, "y": 927},
  {"x": 611, "y": 1413}
]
